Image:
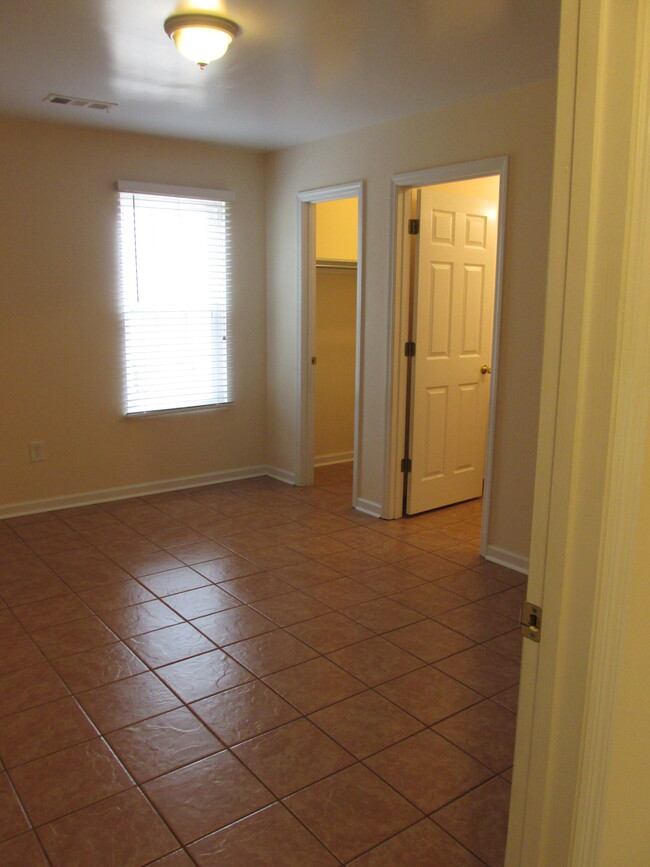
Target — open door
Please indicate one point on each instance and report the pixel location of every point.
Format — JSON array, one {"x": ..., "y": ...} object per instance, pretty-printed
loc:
[{"x": 453, "y": 311}]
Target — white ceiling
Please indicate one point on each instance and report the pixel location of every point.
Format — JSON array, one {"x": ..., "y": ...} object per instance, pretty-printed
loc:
[{"x": 300, "y": 70}]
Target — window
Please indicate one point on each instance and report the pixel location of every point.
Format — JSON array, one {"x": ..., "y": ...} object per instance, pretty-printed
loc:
[{"x": 175, "y": 280}]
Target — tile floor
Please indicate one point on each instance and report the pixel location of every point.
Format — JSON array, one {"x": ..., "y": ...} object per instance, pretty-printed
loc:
[{"x": 254, "y": 674}]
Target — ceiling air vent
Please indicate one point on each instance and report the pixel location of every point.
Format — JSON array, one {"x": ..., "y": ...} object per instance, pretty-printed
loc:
[{"x": 79, "y": 102}]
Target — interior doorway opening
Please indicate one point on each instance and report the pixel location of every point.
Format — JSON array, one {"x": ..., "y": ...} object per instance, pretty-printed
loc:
[
  {"x": 434, "y": 422},
  {"x": 331, "y": 309}
]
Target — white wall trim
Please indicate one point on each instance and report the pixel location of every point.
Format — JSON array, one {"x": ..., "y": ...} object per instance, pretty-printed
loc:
[
  {"x": 327, "y": 460},
  {"x": 507, "y": 558},
  {"x": 369, "y": 507},
  {"x": 398, "y": 325},
  {"x": 281, "y": 475},
  {"x": 107, "y": 495},
  {"x": 306, "y": 259}
]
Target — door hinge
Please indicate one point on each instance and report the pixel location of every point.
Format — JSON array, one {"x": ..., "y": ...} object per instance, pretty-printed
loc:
[
  {"x": 531, "y": 621},
  {"x": 409, "y": 349},
  {"x": 406, "y": 465},
  {"x": 414, "y": 227}
]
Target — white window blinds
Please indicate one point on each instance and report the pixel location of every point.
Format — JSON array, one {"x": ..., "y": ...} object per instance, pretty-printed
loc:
[{"x": 175, "y": 251}]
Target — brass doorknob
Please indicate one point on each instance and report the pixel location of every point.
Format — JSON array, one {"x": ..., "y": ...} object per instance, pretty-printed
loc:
[{"x": 485, "y": 368}]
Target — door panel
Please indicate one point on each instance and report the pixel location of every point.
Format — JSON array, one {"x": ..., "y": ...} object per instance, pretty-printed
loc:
[{"x": 453, "y": 309}]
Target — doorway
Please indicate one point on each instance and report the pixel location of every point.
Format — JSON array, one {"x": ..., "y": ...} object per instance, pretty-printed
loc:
[
  {"x": 479, "y": 391},
  {"x": 331, "y": 311}
]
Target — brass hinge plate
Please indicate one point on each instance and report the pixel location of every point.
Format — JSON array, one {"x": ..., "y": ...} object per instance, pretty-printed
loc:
[
  {"x": 531, "y": 621},
  {"x": 414, "y": 227},
  {"x": 409, "y": 349},
  {"x": 406, "y": 465}
]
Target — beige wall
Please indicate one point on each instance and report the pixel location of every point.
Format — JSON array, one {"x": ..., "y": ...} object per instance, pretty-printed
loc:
[
  {"x": 60, "y": 342},
  {"x": 518, "y": 123}
]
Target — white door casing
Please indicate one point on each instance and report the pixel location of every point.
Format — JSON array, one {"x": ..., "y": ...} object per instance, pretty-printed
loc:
[{"x": 453, "y": 311}]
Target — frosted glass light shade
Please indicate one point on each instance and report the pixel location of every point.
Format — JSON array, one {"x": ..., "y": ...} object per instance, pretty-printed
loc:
[{"x": 201, "y": 37}]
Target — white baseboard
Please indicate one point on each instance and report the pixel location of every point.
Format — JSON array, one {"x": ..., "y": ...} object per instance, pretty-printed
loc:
[
  {"x": 506, "y": 558},
  {"x": 368, "y": 507},
  {"x": 280, "y": 475},
  {"x": 338, "y": 458},
  {"x": 31, "y": 507}
]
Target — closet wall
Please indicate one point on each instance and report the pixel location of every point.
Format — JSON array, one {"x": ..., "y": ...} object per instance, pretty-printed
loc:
[{"x": 336, "y": 245}]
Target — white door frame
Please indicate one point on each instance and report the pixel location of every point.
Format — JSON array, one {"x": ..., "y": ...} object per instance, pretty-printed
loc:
[
  {"x": 306, "y": 325},
  {"x": 402, "y": 185}
]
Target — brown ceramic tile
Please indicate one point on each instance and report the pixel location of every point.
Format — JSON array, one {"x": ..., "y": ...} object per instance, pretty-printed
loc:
[
  {"x": 148, "y": 564},
  {"x": 289, "y": 608},
  {"x": 201, "y": 676},
  {"x": 365, "y": 723},
  {"x": 138, "y": 619},
  {"x": 509, "y": 645},
  {"x": 10, "y": 625},
  {"x": 274, "y": 557},
  {"x": 113, "y": 596},
  {"x": 470, "y": 584},
  {"x": 429, "y": 695},
  {"x": 234, "y": 624},
  {"x": 198, "y": 603},
  {"x": 464, "y": 554},
  {"x": 428, "y": 770},
  {"x": 342, "y": 592},
  {"x": 481, "y": 669},
  {"x": 429, "y": 566},
  {"x": 485, "y": 731},
  {"x": 12, "y": 817},
  {"x": 170, "y": 644},
  {"x": 318, "y": 546},
  {"x": 388, "y": 579},
  {"x": 382, "y": 615},
  {"x": 509, "y": 698},
  {"x": 22, "y": 593},
  {"x": 428, "y": 640},
  {"x": 50, "y": 612},
  {"x": 163, "y": 743},
  {"x": 375, "y": 660},
  {"x": 421, "y": 845},
  {"x": 23, "y": 851},
  {"x": 252, "y": 588},
  {"x": 19, "y": 652},
  {"x": 207, "y": 795},
  {"x": 330, "y": 632},
  {"x": 176, "y": 859},
  {"x": 314, "y": 684},
  {"x": 23, "y": 737},
  {"x": 508, "y": 602},
  {"x": 68, "y": 780},
  {"x": 226, "y": 568},
  {"x": 199, "y": 552},
  {"x": 273, "y": 651},
  {"x": 350, "y": 561},
  {"x": 429, "y": 599},
  {"x": 173, "y": 581},
  {"x": 97, "y": 667},
  {"x": 29, "y": 687},
  {"x": 352, "y": 811},
  {"x": 123, "y": 829},
  {"x": 243, "y": 712},
  {"x": 306, "y": 574},
  {"x": 476, "y": 622},
  {"x": 253, "y": 839},
  {"x": 124, "y": 702},
  {"x": 292, "y": 757},
  {"x": 64, "y": 639},
  {"x": 502, "y": 573},
  {"x": 479, "y": 820}
]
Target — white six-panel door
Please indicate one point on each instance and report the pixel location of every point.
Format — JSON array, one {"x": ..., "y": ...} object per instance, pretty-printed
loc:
[{"x": 452, "y": 314}]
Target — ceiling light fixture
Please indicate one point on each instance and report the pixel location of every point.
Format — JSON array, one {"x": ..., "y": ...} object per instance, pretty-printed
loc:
[{"x": 200, "y": 36}]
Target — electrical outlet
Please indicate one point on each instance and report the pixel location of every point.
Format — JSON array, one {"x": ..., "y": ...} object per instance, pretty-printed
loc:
[{"x": 37, "y": 451}]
